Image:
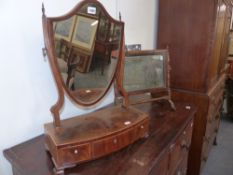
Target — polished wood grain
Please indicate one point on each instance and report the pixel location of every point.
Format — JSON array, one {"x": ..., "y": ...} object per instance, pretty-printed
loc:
[
  {"x": 90, "y": 136},
  {"x": 186, "y": 27},
  {"x": 196, "y": 32},
  {"x": 148, "y": 156},
  {"x": 96, "y": 124}
]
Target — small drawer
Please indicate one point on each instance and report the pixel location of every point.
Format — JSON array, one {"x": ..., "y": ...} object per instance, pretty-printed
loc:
[
  {"x": 75, "y": 153},
  {"x": 180, "y": 150},
  {"x": 142, "y": 129},
  {"x": 207, "y": 144},
  {"x": 209, "y": 130},
  {"x": 113, "y": 143},
  {"x": 105, "y": 146},
  {"x": 182, "y": 168},
  {"x": 176, "y": 155},
  {"x": 161, "y": 168},
  {"x": 187, "y": 134}
]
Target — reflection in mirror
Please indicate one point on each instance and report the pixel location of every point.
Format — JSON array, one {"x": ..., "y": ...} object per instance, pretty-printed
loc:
[
  {"x": 145, "y": 77},
  {"x": 144, "y": 72},
  {"x": 87, "y": 51}
]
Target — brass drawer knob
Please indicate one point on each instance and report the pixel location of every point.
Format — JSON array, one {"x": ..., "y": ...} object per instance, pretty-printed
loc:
[
  {"x": 75, "y": 151},
  {"x": 114, "y": 141},
  {"x": 184, "y": 145},
  {"x": 142, "y": 127},
  {"x": 179, "y": 173}
]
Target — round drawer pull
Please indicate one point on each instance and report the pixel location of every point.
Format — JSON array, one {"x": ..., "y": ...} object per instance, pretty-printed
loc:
[
  {"x": 184, "y": 132},
  {"x": 142, "y": 127},
  {"x": 75, "y": 151},
  {"x": 115, "y": 141},
  {"x": 184, "y": 145}
]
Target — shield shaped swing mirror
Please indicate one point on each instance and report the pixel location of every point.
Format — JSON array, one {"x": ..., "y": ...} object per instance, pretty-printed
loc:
[
  {"x": 85, "y": 49},
  {"x": 145, "y": 73}
]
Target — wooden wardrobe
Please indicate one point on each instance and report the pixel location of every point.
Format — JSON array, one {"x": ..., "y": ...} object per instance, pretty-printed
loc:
[{"x": 196, "y": 33}]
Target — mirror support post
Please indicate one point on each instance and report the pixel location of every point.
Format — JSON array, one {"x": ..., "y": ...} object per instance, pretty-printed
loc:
[
  {"x": 169, "y": 79},
  {"x": 56, "y": 117}
]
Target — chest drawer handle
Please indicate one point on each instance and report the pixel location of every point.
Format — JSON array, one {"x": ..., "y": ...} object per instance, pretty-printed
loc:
[
  {"x": 142, "y": 127},
  {"x": 184, "y": 145},
  {"x": 204, "y": 159},
  {"x": 75, "y": 151}
]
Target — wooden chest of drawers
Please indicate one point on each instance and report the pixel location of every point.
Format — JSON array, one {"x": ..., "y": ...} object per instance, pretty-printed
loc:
[
  {"x": 164, "y": 152},
  {"x": 174, "y": 161},
  {"x": 213, "y": 117},
  {"x": 179, "y": 152}
]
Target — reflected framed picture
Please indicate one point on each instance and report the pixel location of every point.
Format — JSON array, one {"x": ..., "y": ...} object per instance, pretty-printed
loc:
[
  {"x": 84, "y": 32},
  {"x": 103, "y": 28},
  {"x": 63, "y": 29}
]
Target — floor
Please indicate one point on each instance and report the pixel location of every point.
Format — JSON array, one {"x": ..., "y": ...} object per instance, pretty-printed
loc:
[{"x": 220, "y": 161}]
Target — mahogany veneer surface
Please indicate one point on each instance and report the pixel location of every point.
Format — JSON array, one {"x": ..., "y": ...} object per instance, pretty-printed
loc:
[
  {"x": 31, "y": 158},
  {"x": 94, "y": 125}
]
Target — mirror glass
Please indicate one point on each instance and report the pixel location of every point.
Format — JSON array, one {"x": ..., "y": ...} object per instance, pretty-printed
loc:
[
  {"x": 87, "y": 49},
  {"x": 144, "y": 71}
]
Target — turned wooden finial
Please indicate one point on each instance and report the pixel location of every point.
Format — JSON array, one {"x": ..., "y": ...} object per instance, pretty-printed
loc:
[
  {"x": 43, "y": 9},
  {"x": 120, "y": 16}
]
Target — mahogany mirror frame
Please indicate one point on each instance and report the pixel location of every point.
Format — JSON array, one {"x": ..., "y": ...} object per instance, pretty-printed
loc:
[
  {"x": 157, "y": 94},
  {"x": 49, "y": 50}
]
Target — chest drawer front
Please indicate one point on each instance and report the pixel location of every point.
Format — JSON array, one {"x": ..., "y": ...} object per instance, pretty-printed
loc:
[
  {"x": 75, "y": 153},
  {"x": 216, "y": 96},
  {"x": 142, "y": 129},
  {"x": 162, "y": 167},
  {"x": 182, "y": 168},
  {"x": 119, "y": 141},
  {"x": 207, "y": 144},
  {"x": 216, "y": 102},
  {"x": 187, "y": 134},
  {"x": 180, "y": 150},
  {"x": 212, "y": 124}
]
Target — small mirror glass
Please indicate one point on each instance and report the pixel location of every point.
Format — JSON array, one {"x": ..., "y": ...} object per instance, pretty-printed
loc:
[
  {"x": 87, "y": 48},
  {"x": 144, "y": 70}
]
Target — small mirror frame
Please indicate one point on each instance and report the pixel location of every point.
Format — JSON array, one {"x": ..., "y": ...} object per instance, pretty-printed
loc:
[
  {"x": 156, "y": 93},
  {"x": 50, "y": 52}
]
